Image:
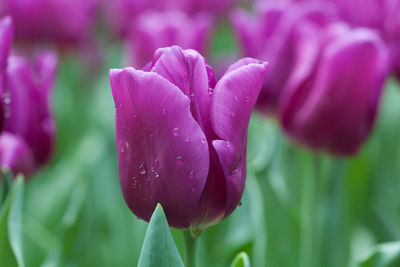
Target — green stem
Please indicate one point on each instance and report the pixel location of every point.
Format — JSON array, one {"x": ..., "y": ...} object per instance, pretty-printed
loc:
[
  {"x": 190, "y": 249},
  {"x": 308, "y": 215}
]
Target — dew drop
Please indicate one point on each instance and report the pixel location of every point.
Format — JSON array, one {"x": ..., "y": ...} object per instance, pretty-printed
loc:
[
  {"x": 152, "y": 169},
  {"x": 228, "y": 144},
  {"x": 134, "y": 116},
  {"x": 7, "y": 100},
  {"x": 187, "y": 139},
  {"x": 126, "y": 144},
  {"x": 142, "y": 169},
  {"x": 191, "y": 174},
  {"x": 193, "y": 189},
  {"x": 156, "y": 162},
  {"x": 179, "y": 160},
  {"x": 164, "y": 111},
  {"x": 203, "y": 141},
  {"x": 235, "y": 97},
  {"x": 247, "y": 99},
  {"x": 122, "y": 149},
  {"x": 120, "y": 105},
  {"x": 156, "y": 174},
  {"x": 175, "y": 132},
  {"x": 192, "y": 96},
  {"x": 210, "y": 91}
]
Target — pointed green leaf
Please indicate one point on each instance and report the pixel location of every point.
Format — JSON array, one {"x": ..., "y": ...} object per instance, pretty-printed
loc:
[
  {"x": 11, "y": 226},
  {"x": 383, "y": 255},
  {"x": 241, "y": 260},
  {"x": 159, "y": 248}
]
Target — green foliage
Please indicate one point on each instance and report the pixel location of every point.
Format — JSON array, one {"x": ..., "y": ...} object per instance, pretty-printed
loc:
[
  {"x": 159, "y": 249},
  {"x": 241, "y": 260}
]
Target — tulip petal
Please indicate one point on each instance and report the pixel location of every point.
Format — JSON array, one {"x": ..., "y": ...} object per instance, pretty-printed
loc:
[
  {"x": 29, "y": 108},
  {"x": 337, "y": 89},
  {"x": 163, "y": 155},
  {"x": 15, "y": 154},
  {"x": 232, "y": 103},
  {"x": 187, "y": 69}
]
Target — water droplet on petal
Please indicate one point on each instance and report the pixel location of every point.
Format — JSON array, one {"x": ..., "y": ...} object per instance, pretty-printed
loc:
[
  {"x": 175, "y": 132},
  {"x": 193, "y": 189},
  {"x": 210, "y": 91},
  {"x": 187, "y": 139},
  {"x": 156, "y": 174},
  {"x": 235, "y": 97},
  {"x": 247, "y": 99},
  {"x": 192, "y": 96},
  {"x": 179, "y": 160},
  {"x": 228, "y": 144},
  {"x": 126, "y": 144},
  {"x": 164, "y": 111},
  {"x": 152, "y": 169},
  {"x": 191, "y": 174},
  {"x": 156, "y": 162},
  {"x": 142, "y": 169},
  {"x": 120, "y": 105},
  {"x": 203, "y": 141}
]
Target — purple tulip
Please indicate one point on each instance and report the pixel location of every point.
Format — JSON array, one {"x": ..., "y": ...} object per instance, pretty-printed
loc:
[
  {"x": 29, "y": 90},
  {"x": 269, "y": 36},
  {"x": 65, "y": 22},
  {"x": 380, "y": 15},
  {"x": 160, "y": 29},
  {"x": 181, "y": 135},
  {"x": 121, "y": 14},
  {"x": 6, "y": 36},
  {"x": 331, "y": 99}
]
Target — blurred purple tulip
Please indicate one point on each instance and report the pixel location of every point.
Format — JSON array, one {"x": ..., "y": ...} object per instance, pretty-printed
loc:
[
  {"x": 27, "y": 102},
  {"x": 121, "y": 14},
  {"x": 181, "y": 135},
  {"x": 331, "y": 99},
  {"x": 380, "y": 15},
  {"x": 269, "y": 35},
  {"x": 160, "y": 29},
  {"x": 64, "y": 22}
]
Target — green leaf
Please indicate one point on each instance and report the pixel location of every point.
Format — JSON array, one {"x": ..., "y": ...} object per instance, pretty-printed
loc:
[
  {"x": 383, "y": 255},
  {"x": 241, "y": 260},
  {"x": 158, "y": 247},
  {"x": 11, "y": 253}
]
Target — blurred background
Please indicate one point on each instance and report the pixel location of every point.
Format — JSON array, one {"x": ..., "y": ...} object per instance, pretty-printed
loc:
[{"x": 299, "y": 205}]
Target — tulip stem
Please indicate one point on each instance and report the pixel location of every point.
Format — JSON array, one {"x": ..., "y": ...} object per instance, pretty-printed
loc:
[
  {"x": 308, "y": 215},
  {"x": 190, "y": 249}
]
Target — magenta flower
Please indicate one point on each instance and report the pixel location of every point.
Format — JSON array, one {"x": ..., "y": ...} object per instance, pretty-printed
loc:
[
  {"x": 64, "y": 22},
  {"x": 181, "y": 136},
  {"x": 121, "y": 14},
  {"x": 380, "y": 15},
  {"x": 269, "y": 36},
  {"x": 331, "y": 99},
  {"x": 27, "y": 103},
  {"x": 160, "y": 29}
]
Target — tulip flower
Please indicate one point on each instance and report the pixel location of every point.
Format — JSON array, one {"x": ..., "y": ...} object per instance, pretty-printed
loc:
[
  {"x": 64, "y": 22},
  {"x": 121, "y": 14},
  {"x": 331, "y": 99},
  {"x": 160, "y": 29},
  {"x": 181, "y": 135},
  {"x": 380, "y": 15},
  {"x": 269, "y": 36},
  {"x": 28, "y": 103}
]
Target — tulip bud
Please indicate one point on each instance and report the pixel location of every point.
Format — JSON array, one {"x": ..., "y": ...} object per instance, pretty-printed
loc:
[
  {"x": 64, "y": 22},
  {"x": 29, "y": 90},
  {"x": 269, "y": 36},
  {"x": 160, "y": 29},
  {"x": 181, "y": 136},
  {"x": 331, "y": 99}
]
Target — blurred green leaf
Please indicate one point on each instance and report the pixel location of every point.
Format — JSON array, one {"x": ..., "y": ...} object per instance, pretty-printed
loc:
[
  {"x": 11, "y": 253},
  {"x": 158, "y": 247},
  {"x": 241, "y": 260},
  {"x": 383, "y": 255}
]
